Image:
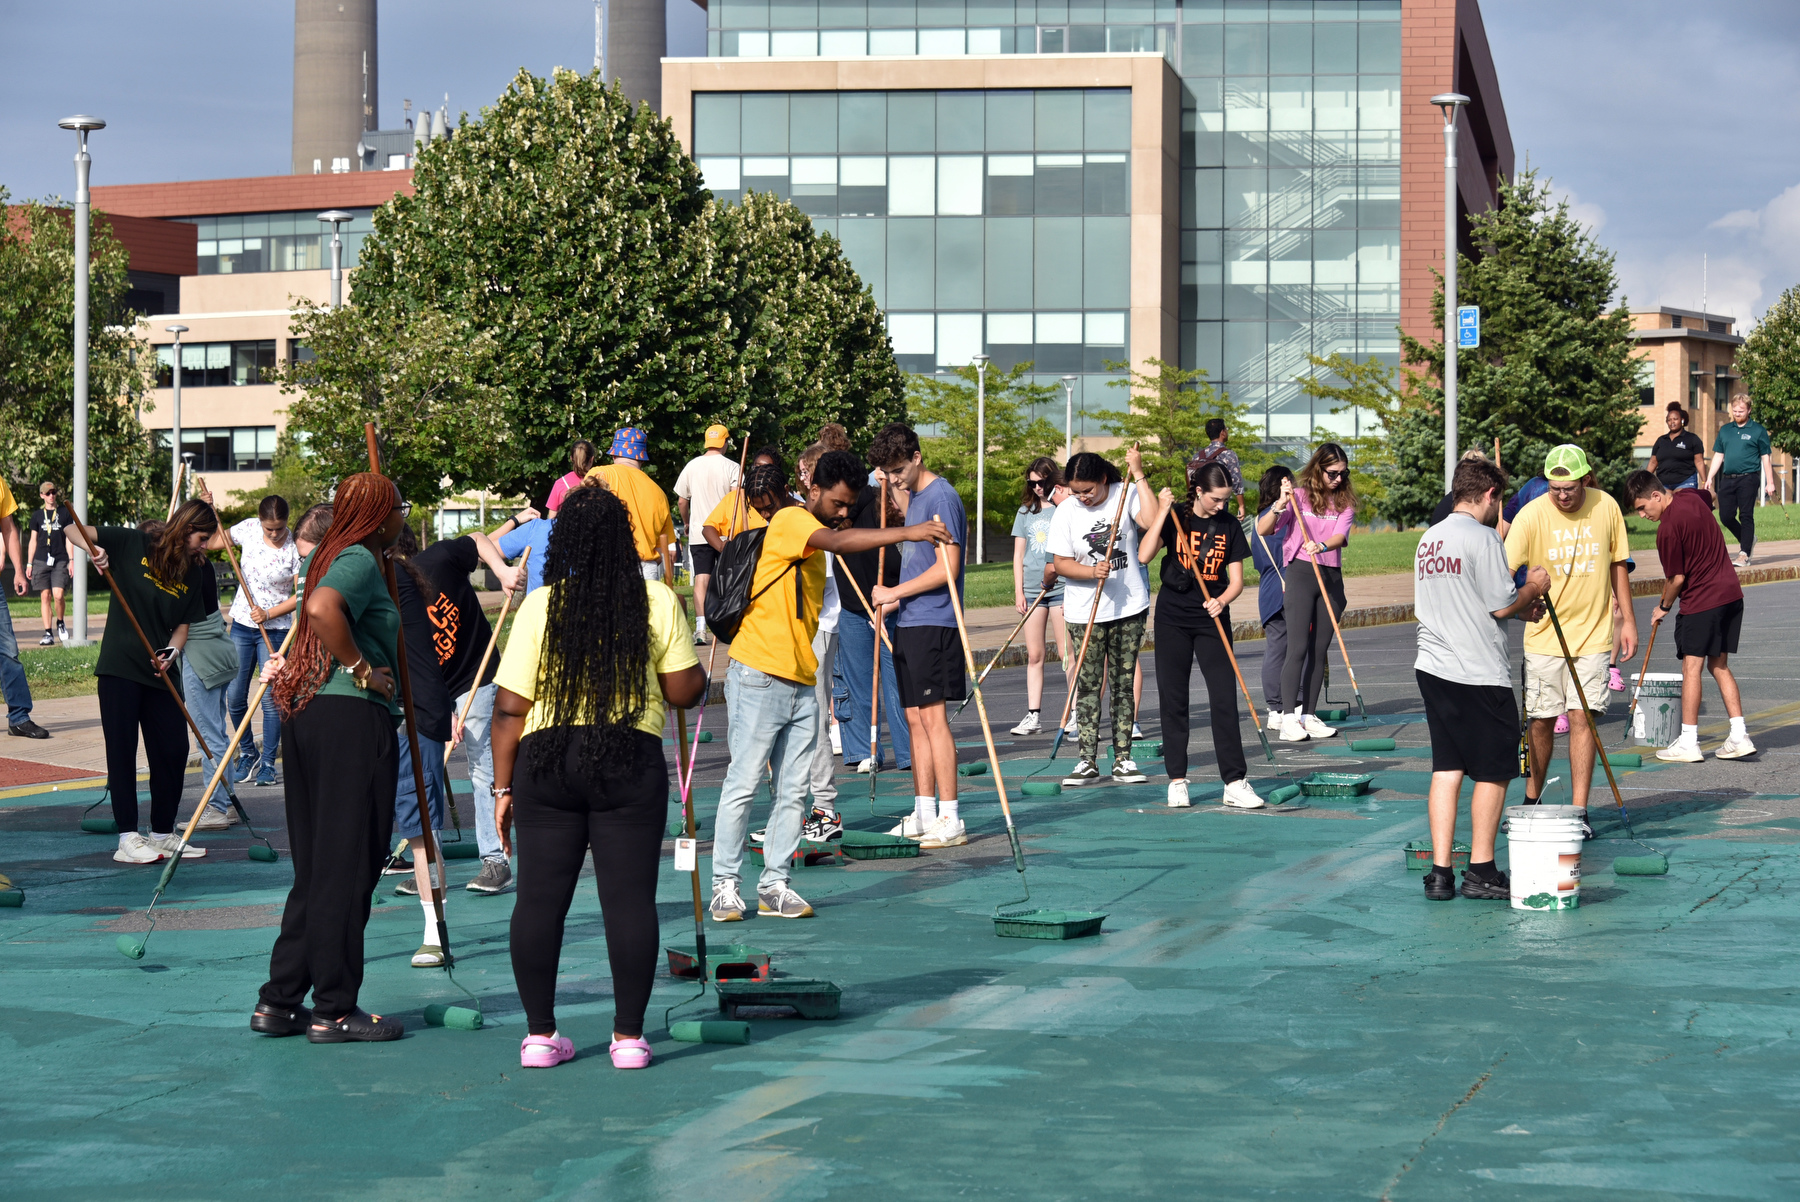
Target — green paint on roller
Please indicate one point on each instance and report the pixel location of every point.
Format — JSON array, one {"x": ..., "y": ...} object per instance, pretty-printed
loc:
[
  {"x": 710, "y": 1032},
  {"x": 978, "y": 768},
  {"x": 459, "y": 1018},
  {"x": 100, "y": 826},
  {"x": 1655, "y": 865},
  {"x": 460, "y": 850},
  {"x": 1625, "y": 759},
  {"x": 1041, "y": 788},
  {"x": 131, "y": 949},
  {"x": 1373, "y": 745},
  {"x": 704, "y": 736},
  {"x": 1338, "y": 715},
  {"x": 678, "y": 827},
  {"x": 1284, "y": 795},
  {"x": 13, "y": 898},
  {"x": 268, "y": 855}
]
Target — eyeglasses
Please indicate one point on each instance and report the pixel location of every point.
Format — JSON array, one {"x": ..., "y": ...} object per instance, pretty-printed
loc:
[
  {"x": 405, "y": 508},
  {"x": 1566, "y": 490}
]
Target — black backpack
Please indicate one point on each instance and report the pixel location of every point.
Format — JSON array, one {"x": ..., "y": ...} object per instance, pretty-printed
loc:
[{"x": 729, "y": 597}]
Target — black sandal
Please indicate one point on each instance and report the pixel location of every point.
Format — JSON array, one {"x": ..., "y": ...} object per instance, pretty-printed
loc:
[
  {"x": 280, "y": 1020},
  {"x": 357, "y": 1026}
]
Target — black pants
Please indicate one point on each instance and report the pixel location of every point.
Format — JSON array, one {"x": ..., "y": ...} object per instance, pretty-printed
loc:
[
  {"x": 1275, "y": 644},
  {"x": 126, "y": 707},
  {"x": 341, "y": 759},
  {"x": 1306, "y": 608},
  {"x": 1179, "y": 643},
  {"x": 559, "y": 818},
  {"x": 1737, "y": 507}
]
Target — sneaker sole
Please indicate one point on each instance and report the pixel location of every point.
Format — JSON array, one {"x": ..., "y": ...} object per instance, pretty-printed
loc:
[
  {"x": 1735, "y": 755},
  {"x": 1487, "y": 893},
  {"x": 737, "y": 916},
  {"x": 1136, "y": 779},
  {"x": 1243, "y": 805},
  {"x": 1075, "y": 782},
  {"x": 1181, "y": 805},
  {"x": 768, "y": 913},
  {"x": 959, "y": 841},
  {"x": 1680, "y": 759},
  {"x": 1441, "y": 895}
]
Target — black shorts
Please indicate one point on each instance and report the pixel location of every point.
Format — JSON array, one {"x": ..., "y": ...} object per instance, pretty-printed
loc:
[
  {"x": 928, "y": 664},
  {"x": 1709, "y": 632},
  {"x": 705, "y": 558},
  {"x": 1474, "y": 727},
  {"x": 51, "y": 576}
]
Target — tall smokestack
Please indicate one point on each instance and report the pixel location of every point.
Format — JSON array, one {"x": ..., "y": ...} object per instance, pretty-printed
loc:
[
  {"x": 332, "y": 41},
  {"x": 636, "y": 40}
]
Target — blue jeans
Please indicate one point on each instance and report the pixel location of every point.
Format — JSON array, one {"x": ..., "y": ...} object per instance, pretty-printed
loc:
[
  {"x": 252, "y": 654},
  {"x": 1692, "y": 481},
  {"x": 479, "y": 747},
  {"x": 12, "y": 677},
  {"x": 406, "y": 795},
  {"x": 774, "y": 722},
  {"x": 208, "y": 708},
  {"x": 855, "y": 658}
]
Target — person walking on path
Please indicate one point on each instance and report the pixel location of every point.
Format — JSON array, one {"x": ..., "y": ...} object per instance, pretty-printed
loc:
[
  {"x": 1577, "y": 533},
  {"x": 1113, "y": 590},
  {"x": 337, "y": 695},
  {"x": 1740, "y": 463},
  {"x": 13, "y": 684},
  {"x": 1679, "y": 456},
  {"x": 1463, "y": 594},
  {"x": 857, "y": 638},
  {"x": 581, "y": 462},
  {"x": 1217, "y": 452},
  {"x": 644, "y": 501},
  {"x": 579, "y": 766},
  {"x": 770, "y": 681},
  {"x": 1313, "y": 520},
  {"x": 1201, "y": 539},
  {"x": 928, "y": 657},
  {"x": 703, "y": 483},
  {"x": 48, "y": 556},
  {"x": 1034, "y": 575},
  {"x": 1271, "y": 600},
  {"x": 260, "y": 617},
  {"x": 1697, "y": 572}
]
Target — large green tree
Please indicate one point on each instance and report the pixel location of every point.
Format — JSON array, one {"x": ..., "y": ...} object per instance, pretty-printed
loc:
[
  {"x": 1368, "y": 387},
  {"x": 1769, "y": 361},
  {"x": 1554, "y": 365},
  {"x": 37, "y": 365},
  {"x": 1168, "y": 408}
]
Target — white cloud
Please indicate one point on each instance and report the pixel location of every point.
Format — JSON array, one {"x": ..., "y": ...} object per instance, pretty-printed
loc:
[{"x": 1586, "y": 213}]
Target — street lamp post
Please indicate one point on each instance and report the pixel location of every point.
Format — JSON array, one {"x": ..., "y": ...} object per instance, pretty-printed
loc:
[
  {"x": 82, "y": 124},
  {"x": 175, "y": 432},
  {"x": 337, "y": 217},
  {"x": 1068, "y": 383},
  {"x": 1449, "y": 102},
  {"x": 981, "y": 366}
]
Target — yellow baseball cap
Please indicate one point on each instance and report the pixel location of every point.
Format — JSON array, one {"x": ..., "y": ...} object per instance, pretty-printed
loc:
[
  {"x": 716, "y": 437},
  {"x": 1567, "y": 462}
]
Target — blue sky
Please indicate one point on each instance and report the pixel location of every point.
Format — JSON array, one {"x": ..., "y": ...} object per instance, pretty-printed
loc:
[{"x": 1667, "y": 124}]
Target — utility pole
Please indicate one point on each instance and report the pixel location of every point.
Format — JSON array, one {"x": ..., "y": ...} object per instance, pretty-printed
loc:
[
  {"x": 981, "y": 366},
  {"x": 78, "y": 484},
  {"x": 1450, "y": 102}
]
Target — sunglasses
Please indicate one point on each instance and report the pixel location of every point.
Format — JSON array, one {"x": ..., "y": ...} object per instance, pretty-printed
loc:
[
  {"x": 1335, "y": 473},
  {"x": 1039, "y": 485}
]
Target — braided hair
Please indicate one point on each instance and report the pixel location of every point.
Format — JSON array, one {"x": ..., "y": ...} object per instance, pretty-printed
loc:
[
  {"x": 596, "y": 645},
  {"x": 361, "y": 508}
]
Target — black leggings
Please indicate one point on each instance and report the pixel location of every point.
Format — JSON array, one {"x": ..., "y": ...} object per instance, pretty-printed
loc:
[
  {"x": 125, "y": 707},
  {"x": 1179, "y": 642},
  {"x": 559, "y": 817},
  {"x": 1304, "y": 608},
  {"x": 1737, "y": 507}
]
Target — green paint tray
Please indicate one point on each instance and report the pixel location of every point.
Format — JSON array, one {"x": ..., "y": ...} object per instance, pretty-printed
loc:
[
  {"x": 1048, "y": 924},
  {"x": 808, "y": 855},
  {"x": 808, "y": 999},
  {"x": 731, "y": 962},
  {"x": 1418, "y": 855},
  {"x": 1335, "y": 784},
  {"x": 869, "y": 845}
]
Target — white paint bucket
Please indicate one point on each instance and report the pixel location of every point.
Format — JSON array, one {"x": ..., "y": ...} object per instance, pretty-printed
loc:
[
  {"x": 1657, "y": 720},
  {"x": 1544, "y": 857}
]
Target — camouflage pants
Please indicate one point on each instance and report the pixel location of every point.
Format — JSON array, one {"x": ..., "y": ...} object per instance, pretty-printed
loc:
[{"x": 1111, "y": 656}]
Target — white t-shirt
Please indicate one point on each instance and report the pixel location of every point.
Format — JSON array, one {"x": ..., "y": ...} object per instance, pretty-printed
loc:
[
  {"x": 1080, "y": 534},
  {"x": 1460, "y": 579},
  {"x": 831, "y": 606},
  {"x": 703, "y": 483},
  {"x": 269, "y": 571}
]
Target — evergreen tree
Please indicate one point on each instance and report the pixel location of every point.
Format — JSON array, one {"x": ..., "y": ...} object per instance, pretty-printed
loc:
[
  {"x": 1769, "y": 361},
  {"x": 1554, "y": 364}
]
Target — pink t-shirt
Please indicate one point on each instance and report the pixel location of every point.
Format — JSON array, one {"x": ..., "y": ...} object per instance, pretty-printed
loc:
[
  {"x": 559, "y": 490},
  {"x": 1322, "y": 526}
]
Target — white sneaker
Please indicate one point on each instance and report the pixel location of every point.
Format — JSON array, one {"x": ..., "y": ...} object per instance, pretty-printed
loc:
[
  {"x": 1083, "y": 773},
  {"x": 945, "y": 832},
  {"x": 837, "y": 740},
  {"x": 135, "y": 849},
  {"x": 909, "y": 828},
  {"x": 1126, "y": 772},
  {"x": 866, "y": 767},
  {"x": 1736, "y": 749},
  {"x": 171, "y": 844},
  {"x": 1682, "y": 752},
  {"x": 1317, "y": 729},
  {"x": 1137, "y": 732},
  {"x": 1274, "y": 722},
  {"x": 1073, "y": 729},
  {"x": 1178, "y": 795},
  {"x": 216, "y": 819},
  {"x": 1029, "y": 725},
  {"x": 1240, "y": 795},
  {"x": 1292, "y": 729}
]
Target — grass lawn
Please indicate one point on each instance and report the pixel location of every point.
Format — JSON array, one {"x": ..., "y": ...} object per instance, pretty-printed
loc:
[
  {"x": 60, "y": 671},
  {"x": 27, "y": 607}
]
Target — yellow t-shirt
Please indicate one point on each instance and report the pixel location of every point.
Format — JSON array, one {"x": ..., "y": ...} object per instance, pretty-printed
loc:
[
  {"x": 8, "y": 506},
  {"x": 671, "y": 650},
  {"x": 733, "y": 515},
  {"x": 1578, "y": 550},
  {"x": 773, "y": 638},
  {"x": 651, "y": 528}
]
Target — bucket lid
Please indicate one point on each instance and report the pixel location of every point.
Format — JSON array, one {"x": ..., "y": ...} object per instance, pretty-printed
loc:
[{"x": 1662, "y": 677}]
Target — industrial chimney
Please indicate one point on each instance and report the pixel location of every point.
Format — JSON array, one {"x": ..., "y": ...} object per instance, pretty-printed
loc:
[
  {"x": 335, "y": 83},
  {"x": 635, "y": 39}
]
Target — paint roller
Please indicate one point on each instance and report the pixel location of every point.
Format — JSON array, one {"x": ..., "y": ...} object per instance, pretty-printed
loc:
[
  {"x": 459, "y": 1018},
  {"x": 10, "y": 894},
  {"x": 717, "y": 1031},
  {"x": 99, "y": 826}
]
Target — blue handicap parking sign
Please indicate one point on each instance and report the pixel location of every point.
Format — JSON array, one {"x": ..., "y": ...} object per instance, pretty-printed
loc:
[{"x": 1468, "y": 326}]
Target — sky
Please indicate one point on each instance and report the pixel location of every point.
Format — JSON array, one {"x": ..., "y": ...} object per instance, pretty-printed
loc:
[{"x": 1666, "y": 124}]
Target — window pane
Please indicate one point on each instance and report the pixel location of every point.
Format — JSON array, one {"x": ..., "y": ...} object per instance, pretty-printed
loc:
[
  {"x": 745, "y": 14},
  {"x": 1379, "y": 44},
  {"x": 721, "y": 175},
  {"x": 862, "y": 122},
  {"x": 1290, "y": 198},
  {"x": 766, "y": 175},
  {"x": 1290, "y": 49},
  {"x": 1059, "y": 120},
  {"x": 1009, "y": 121},
  {"x": 812, "y": 123},
  {"x": 960, "y": 121},
  {"x": 1378, "y": 197},
  {"x": 1106, "y": 269},
  {"x": 1108, "y": 119},
  {"x": 1247, "y": 49},
  {"x": 1202, "y": 49},
  {"x": 793, "y": 43},
  {"x": 765, "y": 123},
  {"x": 794, "y": 14},
  {"x": 911, "y": 255},
  {"x": 1009, "y": 264},
  {"x": 862, "y": 186},
  {"x": 1058, "y": 183},
  {"x": 1246, "y": 350},
  {"x": 959, "y": 183},
  {"x": 865, "y": 245},
  {"x": 1246, "y": 195},
  {"x": 958, "y": 338},
  {"x": 1334, "y": 49},
  {"x": 893, "y": 41},
  {"x": 959, "y": 265},
  {"x": 1056, "y": 268},
  {"x": 891, "y": 14},
  {"x": 1107, "y": 184},
  {"x": 941, "y": 43},
  {"x": 1009, "y": 339},
  {"x": 1010, "y": 183},
  {"x": 912, "y": 121},
  {"x": 1208, "y": 199},
  {"x": 912, "y": 183},
  {"x": 847, "y": 14},
  {"x": 715, "y": 123},
  {"x": 843, "y": 43}
]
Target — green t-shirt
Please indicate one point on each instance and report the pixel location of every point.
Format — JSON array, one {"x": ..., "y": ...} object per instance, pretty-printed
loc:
[
  {"x": 160, "y": 607},
  {"x": 1744, "y": 446},
  {"x": 374, "y": 622}
]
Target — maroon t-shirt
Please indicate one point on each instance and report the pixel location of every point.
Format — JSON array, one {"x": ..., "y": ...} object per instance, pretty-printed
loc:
[{"x": 1690, "y": 543}]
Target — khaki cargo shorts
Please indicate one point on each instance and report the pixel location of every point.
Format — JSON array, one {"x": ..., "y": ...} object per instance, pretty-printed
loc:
[{"x": 1550, "y": 691}]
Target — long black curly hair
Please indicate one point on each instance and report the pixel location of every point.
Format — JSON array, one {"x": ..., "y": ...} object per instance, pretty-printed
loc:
[{"x": 596, "y": 649}]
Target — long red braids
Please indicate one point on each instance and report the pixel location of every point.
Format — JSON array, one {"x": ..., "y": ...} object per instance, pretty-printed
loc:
[{"x": 361, "y": 508}]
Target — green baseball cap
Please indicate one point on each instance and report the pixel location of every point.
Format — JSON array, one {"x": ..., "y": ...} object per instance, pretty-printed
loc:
[{"x": 1567, "y": 462}]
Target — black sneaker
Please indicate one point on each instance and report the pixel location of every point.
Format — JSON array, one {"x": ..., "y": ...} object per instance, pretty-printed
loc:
[
  {"x": 49, "y": 640},
  {"x": 1587, "y": 832},
  {"x": 355, "y": 1027},
  {"x": 397, "y": 865},
  {"x": 1440, "y": 884},
  {"x": 495, "y": 877},
  {"x": 280, "y": 1020},
  {"x": 1487, "y": 888},
  {"x": 28, "y": 730}
]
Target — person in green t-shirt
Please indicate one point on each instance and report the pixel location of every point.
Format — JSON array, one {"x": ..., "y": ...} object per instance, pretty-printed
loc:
[
  {"x": 340, "y": 757},
  {"x": 1740, "y": 462}
]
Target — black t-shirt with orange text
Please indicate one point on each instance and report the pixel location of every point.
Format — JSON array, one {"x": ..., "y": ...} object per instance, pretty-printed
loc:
[
  {"x": 459, "y": 630},
  {"x": 1210, "y": 544}
]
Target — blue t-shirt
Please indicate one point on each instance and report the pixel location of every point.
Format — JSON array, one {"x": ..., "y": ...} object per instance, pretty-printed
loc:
[
  {"x": 1034, "y": 528},
  {"x": 935, "y": 500},
  {"x": 536, "y": 535},
  {"x": 1270, "y": 596}
]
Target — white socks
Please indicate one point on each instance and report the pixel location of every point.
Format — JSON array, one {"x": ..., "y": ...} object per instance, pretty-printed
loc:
[
  {"x": 431, "y": 931},
  {"x": 1737, "y": 729},
  {"x": 1690, "y": 735},
  {"x": 947, "y": 809},
  {"x": 925, "y": 810}
]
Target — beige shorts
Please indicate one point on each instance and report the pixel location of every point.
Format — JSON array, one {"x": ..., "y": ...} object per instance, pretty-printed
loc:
[{"x": 1549, "y": 691}]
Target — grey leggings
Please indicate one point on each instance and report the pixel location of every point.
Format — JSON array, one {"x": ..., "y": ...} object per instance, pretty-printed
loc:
[{"x": 1304, "y": 608}]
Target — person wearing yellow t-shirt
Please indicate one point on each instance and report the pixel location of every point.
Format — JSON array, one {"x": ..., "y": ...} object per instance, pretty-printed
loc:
[
  {"x": 579, "y": 762},
  {"x": 651, "y": 528},
  {"x": 12, "y": 672},
  {"x": 1577, "y": 533},
  {"x": 769, "y": 684}
]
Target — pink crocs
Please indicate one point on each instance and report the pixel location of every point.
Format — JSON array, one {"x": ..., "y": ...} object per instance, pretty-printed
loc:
[
  {"x": 630, "y": 1053},
  {"x": 545, "y": 1051}
]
